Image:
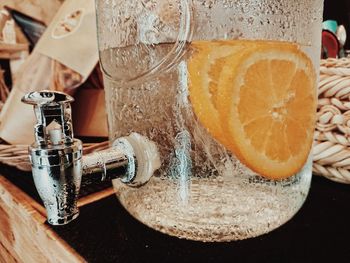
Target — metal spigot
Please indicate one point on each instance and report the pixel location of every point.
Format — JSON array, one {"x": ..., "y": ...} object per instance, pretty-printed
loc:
[{"x": 58, "y": 163}]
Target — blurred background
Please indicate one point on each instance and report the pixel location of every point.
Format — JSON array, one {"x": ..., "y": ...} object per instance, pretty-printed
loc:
[
  {"x": 32, "y": 16},
  {"x": 338, "y": 10}
]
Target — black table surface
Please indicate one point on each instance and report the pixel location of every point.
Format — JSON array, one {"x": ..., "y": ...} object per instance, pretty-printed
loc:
[{"x": 105, "y": 232}]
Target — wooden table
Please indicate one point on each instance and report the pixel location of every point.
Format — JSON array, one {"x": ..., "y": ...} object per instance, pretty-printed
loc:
[
  {"x": 105, "y": 232},
  {"x": 24, "y": 234}
]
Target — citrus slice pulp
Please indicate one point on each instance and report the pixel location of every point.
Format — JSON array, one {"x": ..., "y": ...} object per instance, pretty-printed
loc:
[
  {"x": 263, "y": 104},
  {"x": 204, "y": 68}
]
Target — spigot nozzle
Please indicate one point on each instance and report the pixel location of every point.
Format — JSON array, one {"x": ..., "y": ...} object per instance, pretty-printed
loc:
[{"x": 58, "y": 164}]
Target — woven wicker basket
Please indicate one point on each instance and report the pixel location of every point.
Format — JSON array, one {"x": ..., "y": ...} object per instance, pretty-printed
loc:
[
  {"x": 17, "y": 155},
  {"x": 332, "y": 137}
]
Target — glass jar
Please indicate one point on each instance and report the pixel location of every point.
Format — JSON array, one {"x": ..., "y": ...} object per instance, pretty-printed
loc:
[{"x": 202, "y": 190}]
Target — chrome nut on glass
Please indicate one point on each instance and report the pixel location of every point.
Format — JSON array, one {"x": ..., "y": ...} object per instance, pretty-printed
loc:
[{"x": 58, "y": 164}]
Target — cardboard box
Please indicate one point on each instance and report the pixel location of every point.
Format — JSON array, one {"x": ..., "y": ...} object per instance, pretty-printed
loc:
[{"x": 89, "y": 113}]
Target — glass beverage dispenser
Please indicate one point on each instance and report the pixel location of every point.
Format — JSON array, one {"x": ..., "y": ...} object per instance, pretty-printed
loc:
[{"x": 227, "y": 90}]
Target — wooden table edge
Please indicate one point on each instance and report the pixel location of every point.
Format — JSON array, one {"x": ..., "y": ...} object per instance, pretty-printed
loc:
[{"x": 23, "y": 232}]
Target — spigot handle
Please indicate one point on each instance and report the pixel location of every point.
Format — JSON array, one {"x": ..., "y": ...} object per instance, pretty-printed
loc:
[{"x": 51, "y": 108}]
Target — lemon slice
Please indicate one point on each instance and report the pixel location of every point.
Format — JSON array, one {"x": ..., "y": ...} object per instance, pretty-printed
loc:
[
  {"x": 205, "y": 66},
  {"x": 257, "y": 98},
  {"x": 268, "y": 106}
]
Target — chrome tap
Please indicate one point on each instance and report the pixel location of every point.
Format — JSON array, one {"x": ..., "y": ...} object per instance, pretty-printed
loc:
[{"x": 58, "y": 163}]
